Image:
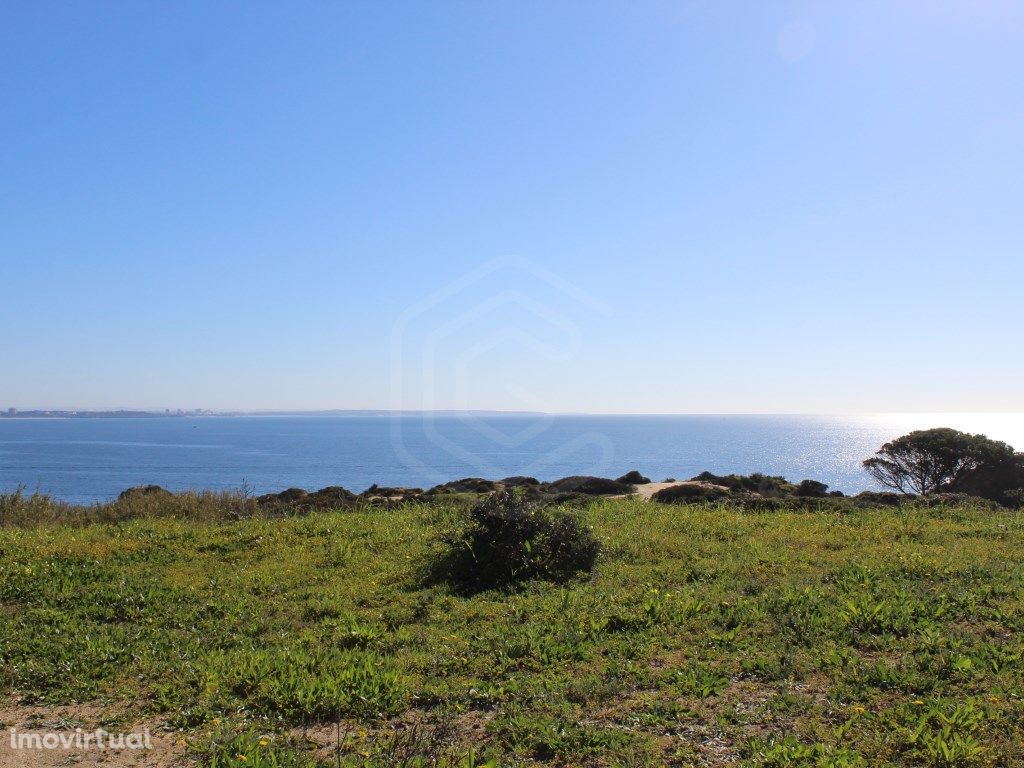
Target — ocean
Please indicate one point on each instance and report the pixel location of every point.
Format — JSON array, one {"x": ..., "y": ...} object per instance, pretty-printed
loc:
[{"x": 85, "y": 460}]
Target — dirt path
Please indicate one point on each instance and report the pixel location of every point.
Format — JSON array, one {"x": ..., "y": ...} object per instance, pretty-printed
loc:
[{"x": 647, "y": 490}]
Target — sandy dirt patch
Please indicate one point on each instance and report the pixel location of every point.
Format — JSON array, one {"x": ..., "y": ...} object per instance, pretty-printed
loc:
[{"x": 166, "y": 749}]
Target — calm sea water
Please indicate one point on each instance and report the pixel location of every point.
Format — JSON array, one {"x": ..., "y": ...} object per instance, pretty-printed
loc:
[{"x": 85, "y": 460}]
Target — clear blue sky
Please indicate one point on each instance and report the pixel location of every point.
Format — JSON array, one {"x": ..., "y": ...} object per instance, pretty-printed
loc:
[{"x": 617, "y": 207}]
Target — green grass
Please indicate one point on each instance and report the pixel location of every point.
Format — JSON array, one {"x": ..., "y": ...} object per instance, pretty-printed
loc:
[{"x": 707, "y": 636}]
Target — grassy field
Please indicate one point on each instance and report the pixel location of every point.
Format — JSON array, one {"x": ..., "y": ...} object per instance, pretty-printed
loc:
[{"x": 707, "y": 636}]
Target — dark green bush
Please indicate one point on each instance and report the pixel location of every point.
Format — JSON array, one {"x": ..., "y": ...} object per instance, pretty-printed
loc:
[
  {"x": 689, "y": 494},
  {"x": 466, "y": 485},
  {"x": 519, "y": 480},
  {"x": 298, "y": 500},
  {"x": 766, "y": 485},
  {"x": 999, "y": 480},
  {"x": 592, "y": 486},
  {"x": 811, "y": 488},
  {"x": 956, "y": 500},
  {"x": 633, "y": 477},
  {"x": 510, "y": 539},
  {"x": 143, "y": 490},
  {"x": 882, "y": 498}
]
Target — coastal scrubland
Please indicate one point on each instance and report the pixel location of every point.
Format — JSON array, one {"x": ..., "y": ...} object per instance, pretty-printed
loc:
[{"x": 802, "y": 633}]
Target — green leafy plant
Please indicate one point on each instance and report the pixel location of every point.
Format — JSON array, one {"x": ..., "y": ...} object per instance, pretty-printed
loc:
[{"x": 511, "y": 540}]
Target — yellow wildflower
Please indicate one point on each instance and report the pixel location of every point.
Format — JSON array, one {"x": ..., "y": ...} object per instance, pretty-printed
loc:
[
  {"x": 918, "y": 702},
  {"x": 859, "y": 709}
]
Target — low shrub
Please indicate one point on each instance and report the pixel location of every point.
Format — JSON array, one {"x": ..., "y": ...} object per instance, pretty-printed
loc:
[
  {"x": 811, "y": 488},
  {"x": 19, "y": 508},
  {"x": 633, "y": 477},
  {"x": 757, "y": 503},
  {"x": 142, "y": 490},
  {"x": 510, "y": 539},
  {"x": 187, "y": 505},
  {"x": 298, "y": 500},
  {"x": 466, "y": 485},
  {"x": 572, "y": 499},
  {"x": 592, "y": 486},
  {"x": 883, "y": 498},
  {"x": 22, "y": 509},
  {"x": 950, "y": 500},
  {"x": 287, "y": 496},
  {"x": 766, "y": 485},
  {"x": 517, "y": 481},
  {"x": 332, "y": 497},
  {"x": 691, "y": 493}
]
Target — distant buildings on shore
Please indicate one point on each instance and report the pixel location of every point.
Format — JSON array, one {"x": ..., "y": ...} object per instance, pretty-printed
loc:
[{"x": 14, "y": 413}]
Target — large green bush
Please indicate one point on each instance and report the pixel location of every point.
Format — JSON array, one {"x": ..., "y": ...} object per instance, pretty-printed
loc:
[{"x": 510, "y": 539}]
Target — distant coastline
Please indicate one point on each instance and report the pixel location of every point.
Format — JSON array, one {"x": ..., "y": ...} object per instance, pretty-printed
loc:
[
  {"x": 37, "y": 413},
  {"x": 13, "y": 413}
]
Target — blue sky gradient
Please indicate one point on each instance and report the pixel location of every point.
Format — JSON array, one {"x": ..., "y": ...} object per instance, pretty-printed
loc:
[{"x": 603, "y": 207}]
